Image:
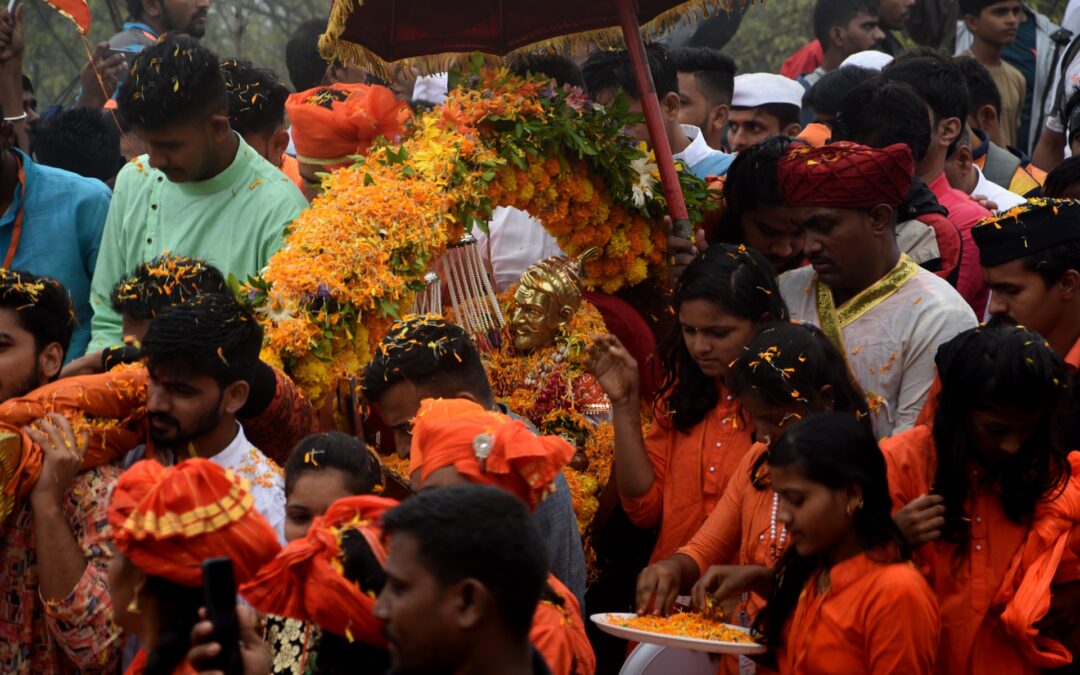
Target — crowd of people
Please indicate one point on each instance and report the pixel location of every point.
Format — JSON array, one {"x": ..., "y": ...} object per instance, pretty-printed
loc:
[{"x": 848, "y": 418}]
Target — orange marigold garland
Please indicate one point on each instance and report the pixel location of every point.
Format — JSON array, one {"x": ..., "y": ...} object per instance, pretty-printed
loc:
[
  {"x": 350, "y": 264},
  {"x": 354, "y": 260}
]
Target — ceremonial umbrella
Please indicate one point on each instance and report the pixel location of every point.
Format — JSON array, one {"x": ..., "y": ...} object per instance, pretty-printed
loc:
[{"x": 379, "y": 34}]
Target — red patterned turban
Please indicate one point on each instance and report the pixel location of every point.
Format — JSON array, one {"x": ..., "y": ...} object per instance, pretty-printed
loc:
[{"x": 846, "y": 175}]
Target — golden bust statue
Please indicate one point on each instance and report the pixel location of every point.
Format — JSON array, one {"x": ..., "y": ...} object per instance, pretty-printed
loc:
[{"x": 547, "y": 297}]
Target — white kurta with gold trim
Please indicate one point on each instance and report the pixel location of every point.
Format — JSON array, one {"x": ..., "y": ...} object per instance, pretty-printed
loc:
[{"x": 891, "y": 347}]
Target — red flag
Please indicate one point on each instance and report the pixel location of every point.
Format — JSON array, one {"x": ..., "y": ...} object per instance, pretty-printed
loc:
[{"x": 76, "y": 10}]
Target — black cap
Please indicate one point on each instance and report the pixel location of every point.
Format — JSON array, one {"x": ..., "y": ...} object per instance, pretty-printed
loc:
[{"x": 1027, "y": 229}]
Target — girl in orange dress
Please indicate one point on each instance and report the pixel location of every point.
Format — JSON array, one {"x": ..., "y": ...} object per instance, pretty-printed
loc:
[
  {"x": 990, "y": 496},
  {"x": 742, "y": 535},
  {"x": 674, "y": 475},
  {"x": 842, "y": 599}
]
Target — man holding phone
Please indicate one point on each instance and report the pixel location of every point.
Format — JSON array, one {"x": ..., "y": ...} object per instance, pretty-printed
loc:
[
  {"x": 148, "y": 21},
  {"x": 156, "y": 576}
]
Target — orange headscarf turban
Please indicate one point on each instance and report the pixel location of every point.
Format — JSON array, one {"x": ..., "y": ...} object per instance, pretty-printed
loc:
[
  {"x": 845, "y": 175},
  {"x": 487, "y": 448},
  {"x": 305, "y": 581},
  {"x": 329, "y": 124},
  {"x": 168, "y": 520}
]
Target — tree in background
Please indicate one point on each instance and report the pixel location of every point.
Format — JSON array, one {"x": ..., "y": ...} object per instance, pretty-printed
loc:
[{"x": 256, "y": 30}]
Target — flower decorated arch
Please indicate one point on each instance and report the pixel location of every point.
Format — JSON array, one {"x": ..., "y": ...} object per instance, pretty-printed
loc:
[{"x": 355, "y": 260}]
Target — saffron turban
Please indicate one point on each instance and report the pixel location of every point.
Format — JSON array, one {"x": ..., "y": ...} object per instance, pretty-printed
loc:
[
  {"x": 306, "y": 580},
  {"x": 329, "y": 124},
  {"x": 1027, "y": 229},
  {"x": 167, "y": 520},
  {"x": 486, "y": 447},
  {"x": 846, "y": 175}
]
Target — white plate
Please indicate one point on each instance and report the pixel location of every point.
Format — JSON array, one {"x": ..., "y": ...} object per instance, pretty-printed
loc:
[{"x": 603, "y": 621}]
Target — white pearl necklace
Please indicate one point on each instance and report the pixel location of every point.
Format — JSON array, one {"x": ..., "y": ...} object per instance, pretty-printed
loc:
[{"x": 776, "y": 547}]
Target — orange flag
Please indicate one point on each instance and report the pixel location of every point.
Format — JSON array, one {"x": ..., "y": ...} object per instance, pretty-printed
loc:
[{"x": 76, "y": 10}]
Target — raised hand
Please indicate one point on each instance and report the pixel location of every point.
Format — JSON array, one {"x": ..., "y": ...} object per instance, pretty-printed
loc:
[
  {"x": 109, "y": 67},
  {"x": 615, "y": 370},
  {"x": 63, "y": 455},
  {"x": 12, "y": 38}
]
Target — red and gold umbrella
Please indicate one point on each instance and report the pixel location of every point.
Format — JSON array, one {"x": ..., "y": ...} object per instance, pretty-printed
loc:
[{"x": 382, "y": 34}]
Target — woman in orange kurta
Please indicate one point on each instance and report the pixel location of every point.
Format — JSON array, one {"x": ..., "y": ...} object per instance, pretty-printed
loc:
[
  {"x": 842, "y": 599},
  {"x": 674, "y": 476},
  {"x": 783, "y": 358},
  {"x": 990, "y": 496}
]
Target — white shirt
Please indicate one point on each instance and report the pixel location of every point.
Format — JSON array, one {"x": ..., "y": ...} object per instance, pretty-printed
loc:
[
  {"x": 1071, "y": 20},
  {"x": 514, "y": 242},
  {"x": 1072, "y": 81},
  {"x": 1004, "y": 199},
  {"x": 245, "y": 460},
  {"x": 267, "y": 478},
  {"x": 699, "y": 150},
  {"x": 891, "y": 347}
]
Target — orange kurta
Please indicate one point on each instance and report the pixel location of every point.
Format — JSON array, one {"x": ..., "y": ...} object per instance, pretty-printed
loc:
[
  {"x": 558, "y": 633},
  {"x": 109, "y": 407},
  {"x": 739, "y": 529},
  {"x": 974, "y": 584},
  {"x": 691, "y": 471},
  {"x": 874, "y": 618}
]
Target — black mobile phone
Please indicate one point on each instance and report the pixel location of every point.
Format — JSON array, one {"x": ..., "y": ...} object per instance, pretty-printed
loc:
[
  {"x": 219, "y": 598},
  {"x": 129, "y": 58}
]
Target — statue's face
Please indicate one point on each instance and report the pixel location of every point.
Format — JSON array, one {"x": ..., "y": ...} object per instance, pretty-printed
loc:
[{"x": 535, "y": 317}]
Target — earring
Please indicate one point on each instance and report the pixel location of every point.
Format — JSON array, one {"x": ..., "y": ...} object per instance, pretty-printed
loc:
[
  {"x": 133, "y": 606},
  {"x": 854, "y": 507}
]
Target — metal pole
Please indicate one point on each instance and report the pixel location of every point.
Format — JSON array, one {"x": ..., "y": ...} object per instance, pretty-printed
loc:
[{"x": 650, "y": 105}]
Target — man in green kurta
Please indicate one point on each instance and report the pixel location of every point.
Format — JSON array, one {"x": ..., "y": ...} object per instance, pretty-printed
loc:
[{"x": 201, "y": 191}]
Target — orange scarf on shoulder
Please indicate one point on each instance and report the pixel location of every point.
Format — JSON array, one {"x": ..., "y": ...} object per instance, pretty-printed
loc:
[{"x": 1025, "y": 590}]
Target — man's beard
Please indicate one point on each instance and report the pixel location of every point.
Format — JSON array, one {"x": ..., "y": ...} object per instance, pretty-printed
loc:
[
  {"x": 194, "y": 30},
  {"x": 183, "y": 437},
  {"x": 705, "y": 125},
  {"x": 25, "y": 385}
]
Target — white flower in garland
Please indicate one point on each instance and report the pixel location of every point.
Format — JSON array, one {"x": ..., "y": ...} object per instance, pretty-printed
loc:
[{"x": 646, "y": 180}]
